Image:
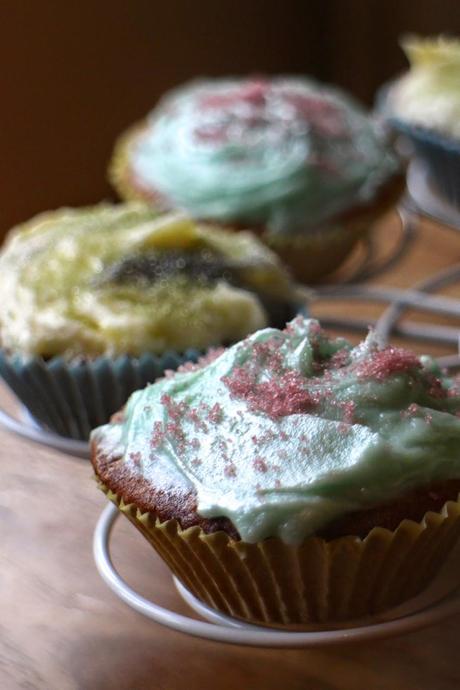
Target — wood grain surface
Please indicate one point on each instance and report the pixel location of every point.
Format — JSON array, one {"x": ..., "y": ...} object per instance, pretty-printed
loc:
[{"x": 62, "y": 629}]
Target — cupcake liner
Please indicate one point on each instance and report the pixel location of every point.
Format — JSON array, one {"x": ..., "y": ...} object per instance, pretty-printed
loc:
[
  {"x": 273, "y": 583},
  {"x": 441, "y": 156},
  {"x": 71, "y": 398}
]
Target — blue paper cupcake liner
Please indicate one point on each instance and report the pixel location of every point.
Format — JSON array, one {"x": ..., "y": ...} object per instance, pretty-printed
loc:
[
  {"x": 70, "y": 399},
  {"x": 440, "y": 155}
]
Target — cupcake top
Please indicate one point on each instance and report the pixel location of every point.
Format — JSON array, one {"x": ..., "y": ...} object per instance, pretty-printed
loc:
[
  {"x": 119, "y": 280},
  {"x": 429, "y": 94},
  {"x": 285, "y": 152},
  {"x": 287, "y": 431}
]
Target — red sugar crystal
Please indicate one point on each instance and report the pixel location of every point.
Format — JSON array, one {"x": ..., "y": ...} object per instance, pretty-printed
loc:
[
  {"x": 339, "y": 359},
  {"x": 158, "y": 435},
  {"x": 260, "y": 465},
  {"x": 410, "y": 411},
  {"x": 193, "y": 416},
  {"x": 215, "y": 414},
  {"x": 135, "y": 458},
  {"x": 436, "y": 389},
  {"x": 212, "y": 134},
  {"x": 175, "y": 410},
  {"x": 349, "y": 409},
  {"x": 230, "y": 471},
  {"x": 252, "y": 92},
  {"x": 276, "y": 398},
  {"x": 384, "y": 363},
  {"x": 320, "y": 113}
]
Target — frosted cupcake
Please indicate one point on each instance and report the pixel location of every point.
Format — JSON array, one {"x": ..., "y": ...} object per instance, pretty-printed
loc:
[
  {"x": 293, "y": 479},
  {"x": 299, "y": 162},
  {"x": 97, "y": 302},
  {"x": 424, "y": 104}
]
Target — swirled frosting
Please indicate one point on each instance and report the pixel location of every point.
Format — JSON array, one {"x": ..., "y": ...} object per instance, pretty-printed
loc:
[
  {"x": 119, "y": 280},
  {"x": 286, "y": 153},
  {"x": 288, "y": 430},
  {"x": 429, "y": 94}
]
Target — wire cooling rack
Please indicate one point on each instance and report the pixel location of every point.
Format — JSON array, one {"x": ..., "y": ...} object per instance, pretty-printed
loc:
[{"x": 419, "y": 201}]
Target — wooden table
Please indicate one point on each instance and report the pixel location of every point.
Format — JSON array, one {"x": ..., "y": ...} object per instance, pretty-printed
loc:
[{"x": 62, "y": 629}]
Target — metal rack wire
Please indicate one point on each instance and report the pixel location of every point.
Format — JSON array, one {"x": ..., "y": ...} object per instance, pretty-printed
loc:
[{"x": 417, "y": 203}]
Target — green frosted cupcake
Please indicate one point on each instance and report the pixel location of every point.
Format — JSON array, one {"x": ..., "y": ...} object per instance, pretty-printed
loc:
[
  {"x": 298, "y": 162},
  {"x": 294, "y": 479}
]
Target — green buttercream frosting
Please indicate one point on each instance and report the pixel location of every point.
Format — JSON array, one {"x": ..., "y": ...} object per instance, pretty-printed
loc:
[
  {"x": 118, "y": 279},
  {"x": 289, "y": 430},
  {"x": 286, "y": 153}
]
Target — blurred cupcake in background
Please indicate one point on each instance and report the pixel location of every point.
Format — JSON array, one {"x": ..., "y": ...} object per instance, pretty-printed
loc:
[
  {"x": 300, "y": 163},
  {"x": 100, "y": 301},
  {"x": 424, "y": 105}
]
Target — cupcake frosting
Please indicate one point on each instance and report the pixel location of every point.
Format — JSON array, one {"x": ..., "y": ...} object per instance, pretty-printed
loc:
[
  {"x": 286, "y": 153},
  {"x": 429, "y": 94},
  {"x": 119, "y": 280},
  {"x": 289, "y": 430}
]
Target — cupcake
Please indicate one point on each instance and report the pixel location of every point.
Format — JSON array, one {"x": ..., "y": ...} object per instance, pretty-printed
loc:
[
  {"x": 97, "y": 302},
  {"x": 293, "y": 479},
  {"x": 424, "y": 105},
  {"x": 300, "y": 163}
]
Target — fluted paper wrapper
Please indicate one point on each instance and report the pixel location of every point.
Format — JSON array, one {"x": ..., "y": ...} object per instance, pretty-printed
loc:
[
  {"x": 273, "y": 583},
  {"x": 71, "y": 398}
]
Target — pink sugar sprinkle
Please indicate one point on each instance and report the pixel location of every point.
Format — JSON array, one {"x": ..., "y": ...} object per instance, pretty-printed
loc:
[
  {"x": 175, "y": 410},
  {"x": 277, "y": 484},
  {"x": 436, "y": 389},
  {"x": 349, "y": 409},
  {"x": 230, "y": 471},
  {"x": 260, "y": 465},
  {"x": 193, "y": 416},
  {"x": 410, "y": 411},
  {"x": 252, "y": 92},
  {"x": 384, "y": 363},
  {"x": 196, "y": 462},
  {"x": 195, "y": 443},
  {"x": 212, "y": 134},
  {"x": 158, "y": 435},
  {"x": 276, "y": 398},
  {"x": 135, "y": 458},
  {"x": 215, "y": 414},
  {"x": 339, "y": 359},
  {"x": 268, "y": 353}
]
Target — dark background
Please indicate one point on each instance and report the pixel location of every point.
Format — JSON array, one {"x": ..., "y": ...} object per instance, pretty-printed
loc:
[{"x": 75, "y": 73}]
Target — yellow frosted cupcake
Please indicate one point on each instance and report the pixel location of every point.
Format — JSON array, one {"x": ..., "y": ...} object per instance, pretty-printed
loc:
[
  {"x": 97, "y": 302},
  {"x": 424, "y": 105}
]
